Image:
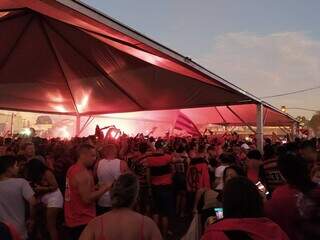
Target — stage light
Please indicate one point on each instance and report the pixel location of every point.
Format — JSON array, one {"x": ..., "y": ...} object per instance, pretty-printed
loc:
[
  {"x": 26, "y": 131},
  {"x": 64, "y": 133},
  {"x": 81, "y": 106},
  {"x": 113, "y": 133},
  {"x": 60, "y": 108}
]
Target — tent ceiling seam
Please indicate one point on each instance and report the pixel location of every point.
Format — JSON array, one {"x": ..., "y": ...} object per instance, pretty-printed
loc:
[
  {"x": 60, "y": 66},
  {"x": 217, "y": 85},
  {"x": 175, "y": 61},
  {"x": 244, "y": 122},
  {"x": 101, "y": 71},
  {"x": 225, "y": 122},
  {"x": 16, "y": 43}
]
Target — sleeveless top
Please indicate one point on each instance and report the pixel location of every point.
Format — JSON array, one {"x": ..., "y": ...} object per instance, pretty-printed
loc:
[
  {"x": 107, "y": 171},
  {"x": 76, "y": 211},
  {"x": 101, "y": 236}
]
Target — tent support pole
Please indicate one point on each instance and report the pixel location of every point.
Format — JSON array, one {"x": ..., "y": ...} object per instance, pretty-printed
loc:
[
  {"x": 259, "y": 133},
  {"x": 78, "y": 118},
  {"x": 244, "y": 122}
]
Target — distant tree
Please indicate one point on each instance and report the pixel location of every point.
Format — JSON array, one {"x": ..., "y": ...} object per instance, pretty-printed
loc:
[
  {"x": 302, "y": 120},
  {"x": 314, "y": 123}
]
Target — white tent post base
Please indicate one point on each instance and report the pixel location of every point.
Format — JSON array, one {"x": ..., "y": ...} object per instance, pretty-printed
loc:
[{"x": 259, "y": 131}]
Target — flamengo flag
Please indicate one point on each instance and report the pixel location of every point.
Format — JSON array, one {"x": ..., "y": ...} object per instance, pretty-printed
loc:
[{"x": 185, "y": 124}]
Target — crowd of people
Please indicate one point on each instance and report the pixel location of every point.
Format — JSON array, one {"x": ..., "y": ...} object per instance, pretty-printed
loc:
[{"x": 138, "y": 187}]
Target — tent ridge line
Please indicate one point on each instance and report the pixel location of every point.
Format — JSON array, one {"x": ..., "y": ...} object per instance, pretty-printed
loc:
[
  {"x": 101, "y": 71},
  {"x": 211, "y": 81},
  {"x": 231, "y": 110},
  {"x": 225, "y": 122},
  {"x": 60, "y": 66},
  {"x": 16, "y": 43}
]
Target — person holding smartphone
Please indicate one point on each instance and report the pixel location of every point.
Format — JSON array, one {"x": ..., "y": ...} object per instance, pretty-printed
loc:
[{"x": 243, "y": 215}]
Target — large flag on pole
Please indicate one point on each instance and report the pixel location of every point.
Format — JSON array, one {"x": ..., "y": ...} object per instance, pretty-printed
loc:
[{"x": 185, "y": 124}]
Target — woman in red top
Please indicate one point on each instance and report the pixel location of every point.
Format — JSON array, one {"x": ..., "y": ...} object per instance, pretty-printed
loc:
[
  {"x": 122, "y": 223},
  {"x": 243, "y": 215}
]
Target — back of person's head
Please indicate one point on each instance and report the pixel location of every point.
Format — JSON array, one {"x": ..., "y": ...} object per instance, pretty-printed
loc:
[
  {"x": 268, "y": 141},
  {"x": 280, "y": 150},
  {"x": 110, "y": 150},
  {"x": 83, "y": 148},
  {"x": 227, "y": 158},
  {"x": 201, "y": 148},
  {"x": 6, "y": 162},
  {"x": 254, "y": 155},
  {"x": 237, "y": 172},
  {"x": 211, "y": 148},
  {"x": 292, "y": 147},
  {"x": 143, "y": 147},
  {"x": 308, "y": 144},
  {"x": 268, "y": 152},
  {"x": 181, "y": 149},
  {"x": 241, "y": 199},
  {"x": 159, "y": 144},
  {"x": 26, "y": 145},
  {"x": 35, "y": 170},
  {"x": 7, "y": 141},
  {"x": 294, "y": 169},
  {"x": 124, "y": 192}
]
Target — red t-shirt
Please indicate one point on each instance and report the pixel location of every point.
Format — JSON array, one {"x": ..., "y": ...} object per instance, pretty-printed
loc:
[
  {"x": 75, "y": 210},
  {"x": 198, "y": 176},
  {"x": 161, "y": 161},
  {"x": 253, "y": 175},
  {"x": 283, "y": 210}
]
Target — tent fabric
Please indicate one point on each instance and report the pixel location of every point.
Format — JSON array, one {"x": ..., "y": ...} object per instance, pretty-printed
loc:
[
  {"x": 165, "y": 120},
  {"x": 63, "y": 57},
  {"x": 239, "y": 115},
  {"x": 55, "y": 59}
]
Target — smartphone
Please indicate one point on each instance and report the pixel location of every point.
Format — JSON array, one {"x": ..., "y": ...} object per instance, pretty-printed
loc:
[
  {"x": 262, "y": 188},
  {"x": 219, "y": 213}
]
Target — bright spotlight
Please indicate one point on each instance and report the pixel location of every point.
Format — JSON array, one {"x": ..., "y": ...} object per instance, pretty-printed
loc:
[{"x": 26, "y": 131}]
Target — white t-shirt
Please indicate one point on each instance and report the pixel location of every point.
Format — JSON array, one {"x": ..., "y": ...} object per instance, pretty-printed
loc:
[
  {"x": 13, "y": 193},
  {"x": 108, "y": 171},
  {"x": 219, "y": 174}
]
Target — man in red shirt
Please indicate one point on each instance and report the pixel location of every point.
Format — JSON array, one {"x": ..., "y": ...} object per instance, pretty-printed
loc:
[
  {"x": 81, "y": 194},
  {"x": 161, "y": 184}
]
